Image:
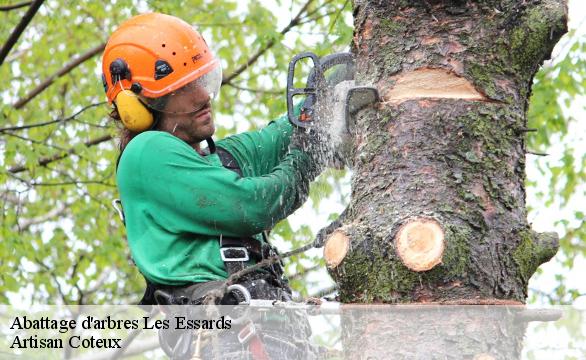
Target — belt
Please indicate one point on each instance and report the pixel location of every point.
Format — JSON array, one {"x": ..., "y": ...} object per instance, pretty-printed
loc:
[
  {"x": 254, "y": 247},
  {"x": 236, "y": 252}
]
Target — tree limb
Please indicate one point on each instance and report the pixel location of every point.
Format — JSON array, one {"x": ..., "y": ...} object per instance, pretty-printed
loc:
[
  {"x": 262, "y": 91},
  {"x": 99, "y": 282},
  {"x": 64, "y": 70},
  {"x": 45, "y": 123},
  {"x": 15, "y": 6},
  {"x": 301, "y": 274},
  {"x": 34, "y": 141},
  {"x": 536, "y": 153},
  {"x": 310, "y": 20},
  {"x": 126, "y": 349},
  {"x": 43, "y": 143},
  {"x": 73, "y": 182},
  {"x": 28, "y": 16},
  {"x": 54, "y": 277},
  {"x": 294, "y": 22},
  {"x": 27, "y": 223},
  {"x": 50, "y": 159},
  {"x": 16, "y": 55},
  {"x": 317, "y": 9},
  {"x": 338, "y": 16}
]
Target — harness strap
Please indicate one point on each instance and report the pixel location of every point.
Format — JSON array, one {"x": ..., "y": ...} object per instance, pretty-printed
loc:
[
  {"x": 228, "y": 161},
  {"x": 257, "y": 349},
  {"x": 235, "y": 251}
]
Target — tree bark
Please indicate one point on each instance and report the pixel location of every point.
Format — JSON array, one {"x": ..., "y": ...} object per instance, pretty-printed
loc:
[{"x": 438, "y": 198}]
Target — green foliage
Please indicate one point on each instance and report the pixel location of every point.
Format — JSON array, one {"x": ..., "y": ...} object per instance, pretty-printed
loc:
[
  {"x": 556, "y": 93},
  {"x": 61, "y": 241}
]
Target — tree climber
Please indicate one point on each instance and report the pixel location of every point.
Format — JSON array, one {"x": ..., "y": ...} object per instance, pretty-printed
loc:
[{"x": 193, "y": 215}]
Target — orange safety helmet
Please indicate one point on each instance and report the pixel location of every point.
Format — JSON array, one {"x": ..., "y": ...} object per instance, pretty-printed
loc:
[
  {"x": 153, "y": 55},
  {"x": 161, "y": 53}
]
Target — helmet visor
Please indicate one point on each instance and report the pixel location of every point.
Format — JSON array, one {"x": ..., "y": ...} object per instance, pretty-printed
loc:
[{"x": 192, "y": 97}]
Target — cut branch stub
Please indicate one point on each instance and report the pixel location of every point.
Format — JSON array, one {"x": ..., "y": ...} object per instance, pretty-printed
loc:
[
  {"x": 420, "y": 244},
  {"x": 336, "y": 248}
]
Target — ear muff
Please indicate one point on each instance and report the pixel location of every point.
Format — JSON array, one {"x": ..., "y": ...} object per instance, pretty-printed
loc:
[{"x": 134, "y": 114}]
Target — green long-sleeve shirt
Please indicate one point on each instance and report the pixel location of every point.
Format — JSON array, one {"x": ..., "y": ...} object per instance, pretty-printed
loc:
[{"x": 178, "y": 202}]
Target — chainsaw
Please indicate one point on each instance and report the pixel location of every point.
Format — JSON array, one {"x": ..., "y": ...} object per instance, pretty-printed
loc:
[{"x": 337, "y": 87}]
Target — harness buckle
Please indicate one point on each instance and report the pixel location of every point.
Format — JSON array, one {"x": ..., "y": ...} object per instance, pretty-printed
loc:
[
  {"x": 117, "y": 205},
  {"x": 246, "y": 333},
  {"x": 230, "y": 257}
]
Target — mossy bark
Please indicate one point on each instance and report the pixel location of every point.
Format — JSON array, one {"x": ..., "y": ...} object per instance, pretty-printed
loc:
[
  {"x": 458, "y": 161},
  {"x": 433, "y": 332}
]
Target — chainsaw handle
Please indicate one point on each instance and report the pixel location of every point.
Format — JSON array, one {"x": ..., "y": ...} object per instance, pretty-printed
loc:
[
  {"x": 328, "y": 61},
  {"x": 310, "y": 89}
]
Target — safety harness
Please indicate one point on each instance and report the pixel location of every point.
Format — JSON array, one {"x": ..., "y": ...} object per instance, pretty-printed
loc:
[
  {"x": 235, "y": 252},
  {"x": 267, "y": 283}
]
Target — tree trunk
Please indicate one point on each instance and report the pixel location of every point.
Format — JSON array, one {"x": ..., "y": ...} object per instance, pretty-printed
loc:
[{"x": 438, "y": 198}]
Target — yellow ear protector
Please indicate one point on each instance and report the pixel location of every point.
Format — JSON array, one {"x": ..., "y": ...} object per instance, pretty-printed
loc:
[{"x": 134, "y": 114}]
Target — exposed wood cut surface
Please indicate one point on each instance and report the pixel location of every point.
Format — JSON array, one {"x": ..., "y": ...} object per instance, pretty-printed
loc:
[
  {"x": 420, "y": 244},
  {"x": 431, "y": 83},
  {"x": 336, "y": 248}
]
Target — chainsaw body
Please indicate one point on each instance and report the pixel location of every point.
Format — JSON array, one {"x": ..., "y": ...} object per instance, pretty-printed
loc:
[{"x": 337, "y": 89}]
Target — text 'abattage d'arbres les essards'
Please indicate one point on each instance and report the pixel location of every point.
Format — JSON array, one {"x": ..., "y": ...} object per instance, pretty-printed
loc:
[{"x": 35, "y": 341}]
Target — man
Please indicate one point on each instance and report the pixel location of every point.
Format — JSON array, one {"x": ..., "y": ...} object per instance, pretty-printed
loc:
[{"x": 194, "y": 216}]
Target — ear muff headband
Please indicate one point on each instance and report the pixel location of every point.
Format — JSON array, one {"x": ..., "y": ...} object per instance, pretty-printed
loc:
[{"x": 134, "y": 114}]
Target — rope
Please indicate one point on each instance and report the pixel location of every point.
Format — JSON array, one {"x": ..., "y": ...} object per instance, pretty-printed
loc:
[{"x": 216, "y": 294}]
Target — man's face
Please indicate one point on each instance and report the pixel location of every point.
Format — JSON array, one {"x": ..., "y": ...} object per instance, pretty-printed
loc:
[{"x": 188, "y": 114}]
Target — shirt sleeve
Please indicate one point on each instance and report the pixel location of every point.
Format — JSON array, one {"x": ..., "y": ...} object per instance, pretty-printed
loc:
[
  {"x": 258, "y": 152},
  {"x": 190, "y": 193}
]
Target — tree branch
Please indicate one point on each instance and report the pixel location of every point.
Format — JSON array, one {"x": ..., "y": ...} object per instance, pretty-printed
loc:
[
  {"x": 125, "y": 348},
  {"x": 309, "y": 20},
  {"x": 300, "y": 275},
  {"x": 48, "y": 160},
  {"x": 44, "y": 143},
  {"x": 62, "y": 120},
  {"x": 338, "y": 16},
  {"x": 75, "y": 182},
  {"x": 64, "y": 70},
  {"x": 28, "y": 16},
  {"x": 294, "y": 22},
  {"x": 99, "y": 282},
  {"x": 272, "y": 92},
  {"x": 54, "y": 277},
  {"x": 317, "y": 9},
  {"x": 536, "y": 153},
  {"x": 34, "y": 141},
  {"x": 15, "y": 6},
  {"x": 16, "y": 55},
  {"x": 27, "y": 223}
]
